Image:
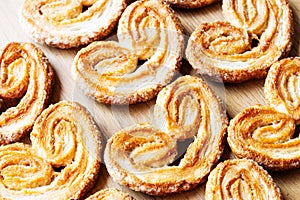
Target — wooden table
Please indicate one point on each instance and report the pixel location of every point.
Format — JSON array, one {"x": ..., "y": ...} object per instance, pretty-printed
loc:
[{"x": 113, "y": 118}]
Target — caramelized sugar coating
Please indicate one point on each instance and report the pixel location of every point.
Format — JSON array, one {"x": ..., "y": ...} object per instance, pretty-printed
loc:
[
  {"x": 26, "y": 75},
  {"x": 240, "y": 179},
  {"x": 266, "y": 134},
  {"x": 70, "y": 23},
  {"x": 109, "y": 71},
  {"x": 282, "y": 87},
  {"x": 62, "y": 162},
  {"x": 256, "y": 34},
  {"x": 141, "y": 156}
]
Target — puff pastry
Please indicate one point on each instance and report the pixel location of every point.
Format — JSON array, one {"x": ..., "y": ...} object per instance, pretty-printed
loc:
[
  {"x": 70, "y": 23},
  {"x": 265, "y": 135},
  {"x": 142, "y": 156},
  {"x": 240, "y": 179},
  {"x": 190, "y": 3},
  {"x": 26, "y": 75},
  {"x": 282, "y": 87},
  {"x": 148, "y": 31},
  {"x": 62, "y": 162},
  {"x": 110, "y": 193},
  {"x": 256, "y": 34}
]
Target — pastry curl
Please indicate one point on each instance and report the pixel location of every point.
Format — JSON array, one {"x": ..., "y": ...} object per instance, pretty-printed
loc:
[
  {"x": 265, "y": 135},
  {"x": 190, "y": 4},
  {"x": 26, "y": 75},
  {"x": 142, "y": 156},
  {"x": 256, "y": 34},
  {"x": 63, "y": 161},
  {"x": 108, "y": 71},
  {"x": 282, "y": 87},
  {"x": 21, "y": 168},
  {"x": 240, "y": 179},
  {"x": 110, "y": 193},
  {"x": 70, "y": 23}
]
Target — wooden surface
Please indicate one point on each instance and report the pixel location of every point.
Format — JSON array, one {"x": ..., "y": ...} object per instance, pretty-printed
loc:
[{"x": 112, "y": 118}]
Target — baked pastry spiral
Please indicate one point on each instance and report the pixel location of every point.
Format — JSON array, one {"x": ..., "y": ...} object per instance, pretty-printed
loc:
[
  {"x": 110, "y": 193},
  {"x": 70, "y": 23},
  {"x": 26, "y": 75},
  {"x": 62, "y": 162},
  {"x": 142, "y": 156},
  {"x": 256, "y": 34},
  {"x": 189, "y": 4},
  {"x": 240, "y": 179},
  {"x": 282, "y": 87},
  {"x": 148, "y": 31},
  {"x": 265, "y": 135}
]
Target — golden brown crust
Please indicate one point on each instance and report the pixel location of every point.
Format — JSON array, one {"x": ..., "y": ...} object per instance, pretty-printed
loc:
[
  {"x": 190, "y": 4},
  {"x": 110, "y": 193},
  {"x": 282, "y": 87},
  {"x": 240, "y": 179},
  {"x": 227, "y": 51},
  {"x": 139, "y": 157},
  {"x": 66, "y": 146},
  {"x": 265, "y": 135},
  {"x": 109, "y": 71},
  {"x": 68, "y": 24},
  {"x": 26, "y": 74}
]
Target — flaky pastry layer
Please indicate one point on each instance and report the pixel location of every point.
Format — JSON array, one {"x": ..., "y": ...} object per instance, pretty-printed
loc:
[
  {"x": 69, "y": 23},
  {"x": 256, "y": 34},
  {"x": 282, "y": 87},
  {"x": 26, "y": 75},
  {"x": 62, "y": 162},
  {"x": 109, "y": 71},
  {"x": 240, "y": 179},
  {"x": 265, "y": 135},
  {"x": 142, "y": 156}
]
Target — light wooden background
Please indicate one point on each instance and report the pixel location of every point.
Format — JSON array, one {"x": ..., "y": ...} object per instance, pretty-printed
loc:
[{"x": 112, "y": 118}]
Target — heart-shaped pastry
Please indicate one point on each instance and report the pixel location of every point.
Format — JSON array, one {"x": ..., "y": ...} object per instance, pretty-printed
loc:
[
  {"x": 144, "y": 157},
  {"x": 282, "y": 87},
  {"x": 149, "y": 33},
  {"x": 62, "y": 161},
  {"x": 240, "y": 179},
  {"x": 26, "y": 78},
  {"x": 266, "y": 134},
  {"x": 256, "y": 34},
  {"x": 70, "y": 23}
]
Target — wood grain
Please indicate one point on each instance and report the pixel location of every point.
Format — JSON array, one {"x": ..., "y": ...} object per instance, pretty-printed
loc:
[{"x": 113, "y": 118}]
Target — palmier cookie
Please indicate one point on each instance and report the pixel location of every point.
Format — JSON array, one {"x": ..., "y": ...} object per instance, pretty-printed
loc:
[
  {"x": 110, "y": 193},
  {"x": 282, "y": 87},
  {"x": 27, "y": 77},
  {"x": 70, "y": 23},
  {"x": 265, "y": 135},
  {"x": 142, "y": 157},
  {"x": 189, "y": 4},
  {"x": 62, "y": 162},
  {"x": 255, "y": 36},
  {"x": 148, "y": 31},
  {"x": 240, "y": 179}
]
